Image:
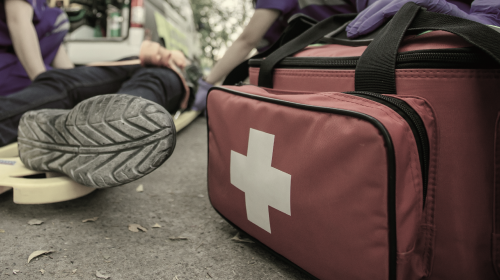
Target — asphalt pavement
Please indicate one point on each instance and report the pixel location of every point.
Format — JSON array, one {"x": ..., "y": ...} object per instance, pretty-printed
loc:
[{"x": 184, "y": 238}]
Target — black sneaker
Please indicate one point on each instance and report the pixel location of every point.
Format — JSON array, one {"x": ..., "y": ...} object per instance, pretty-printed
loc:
[{"x": 105, "y": 141}]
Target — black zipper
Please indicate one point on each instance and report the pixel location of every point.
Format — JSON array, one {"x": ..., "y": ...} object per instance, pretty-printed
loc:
[
  {"x": 390, "y": 152},
  {"x": 463, "y": 58},
  {"x": 416, "y": 124}
]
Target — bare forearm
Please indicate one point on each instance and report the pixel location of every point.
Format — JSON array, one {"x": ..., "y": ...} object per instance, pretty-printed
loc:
[
  {"x": 62, "y": 61},
  {"x": 24, "y": 38},
  {"x": 27, "y": 48},
  {"x": 238, "y": 51},
  {"x": 260, "y": 22}
]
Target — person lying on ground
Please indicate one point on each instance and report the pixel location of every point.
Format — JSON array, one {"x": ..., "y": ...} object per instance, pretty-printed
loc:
[
  {"x": 31, "y": 35},
  {"x": 68, "y": 121}
]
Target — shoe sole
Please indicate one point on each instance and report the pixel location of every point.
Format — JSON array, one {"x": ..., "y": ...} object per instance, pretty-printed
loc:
[{"x": 104, "y": 141}]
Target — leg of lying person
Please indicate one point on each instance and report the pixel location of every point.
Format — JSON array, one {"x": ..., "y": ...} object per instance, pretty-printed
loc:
[
  {"x": 59, "y": 89},
  {"x": 106, "y": 139},
  {"x": 161, "y": 85}
]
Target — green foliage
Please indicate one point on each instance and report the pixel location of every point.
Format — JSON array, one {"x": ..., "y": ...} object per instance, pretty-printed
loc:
[{"x": 218, "y": 22}]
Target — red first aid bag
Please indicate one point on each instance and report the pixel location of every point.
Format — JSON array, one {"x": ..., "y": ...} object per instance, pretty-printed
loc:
[{"x": 367, "y": 162}]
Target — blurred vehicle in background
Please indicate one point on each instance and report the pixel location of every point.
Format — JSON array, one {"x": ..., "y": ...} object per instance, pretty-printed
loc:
[{"x": 110, "y": 30}]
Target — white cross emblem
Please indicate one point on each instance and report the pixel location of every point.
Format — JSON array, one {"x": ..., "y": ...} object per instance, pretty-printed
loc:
[{"x": 263, "y": 185}]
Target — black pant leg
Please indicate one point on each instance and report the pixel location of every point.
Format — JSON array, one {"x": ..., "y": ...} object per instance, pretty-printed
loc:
[
  {"x": 160, "y": 85},
  {"x": 59, "y": 89}
]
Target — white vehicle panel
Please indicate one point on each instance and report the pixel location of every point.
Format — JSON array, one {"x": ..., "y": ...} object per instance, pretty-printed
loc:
[{"x": 84, "y": 52}]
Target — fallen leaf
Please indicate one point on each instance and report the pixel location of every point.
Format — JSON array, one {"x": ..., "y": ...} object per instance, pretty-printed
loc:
[
  {"x": 74, "y": 271},
  {"x": 237, "y": 238},
  {"x": 136, "y": 228},
  {"x": 178, "y": 238},
  {"x": 2, "y": 231},
  {"x": 90, "y": 220},
  {"x": 42, "y": 271},
  {"x": 175, "y": 278},
  {"x": 157, "y": 225},
  {"x": 35, "y": 222},
  {"x": 140, "y": 188},
  {"x": 37, "y": 253},
  {"x": 100, "y": 275},
  {"x": 15, "y": 271}
]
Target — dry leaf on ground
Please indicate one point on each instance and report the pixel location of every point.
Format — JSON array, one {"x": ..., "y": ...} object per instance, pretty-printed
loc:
[
  {"x": 42, "y": 271},
  {"x": 237, "y": 238},
  {"x": 37, "y": 253},
  {"x": 100, "y": 275},
  {"x": 136, "y": 228},
  {"x": 90, "y": 220},
  {"x": 2, "y": 231},
  {"x": 140, "y": 188},
  {"x": 35, "y": 222},
  {"x": 157, "y": 225},
  {"x": 15, "y": 271},
  {"x": 74, "y": 271},
  {"x": 178, "y": 238}
]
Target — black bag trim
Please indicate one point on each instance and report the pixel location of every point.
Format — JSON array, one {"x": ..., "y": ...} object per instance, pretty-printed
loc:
[
  {"x": 458, "y": 58},
  {"x": 297, "y": 24},
  {"x": 375, "y": 70},
  {"x": 330, "y": 26}
]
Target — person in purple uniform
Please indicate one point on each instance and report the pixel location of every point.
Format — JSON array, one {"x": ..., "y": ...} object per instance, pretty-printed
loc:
[
  {"x": 30, "y": 42},
  {"x": 373, "y": 13},
  {"x": 271, "y": 17},
  {"x": 265, "y": 27}
]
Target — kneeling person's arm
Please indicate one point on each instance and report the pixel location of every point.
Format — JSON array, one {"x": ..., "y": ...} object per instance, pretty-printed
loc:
[{"x": 19, "y": 15}]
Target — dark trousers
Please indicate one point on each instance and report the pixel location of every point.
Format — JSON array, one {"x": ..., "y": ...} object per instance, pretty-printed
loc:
[{"x": 64, "y": 88}]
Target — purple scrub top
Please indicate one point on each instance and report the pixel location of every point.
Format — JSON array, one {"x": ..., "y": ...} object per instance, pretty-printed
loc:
[
  {"x": 51, "y": 25},
  {"x": 317, "y": 9}
]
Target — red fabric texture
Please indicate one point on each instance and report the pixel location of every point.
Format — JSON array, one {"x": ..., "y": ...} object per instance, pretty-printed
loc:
[
  {"x": 338, "y": 228},
  {"x": 466, "y": 102},
  {"x": 455, "y": 235}
]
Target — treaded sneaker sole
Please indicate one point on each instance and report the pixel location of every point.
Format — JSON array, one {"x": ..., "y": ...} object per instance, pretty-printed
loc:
[{"x": 104, "y": 141}]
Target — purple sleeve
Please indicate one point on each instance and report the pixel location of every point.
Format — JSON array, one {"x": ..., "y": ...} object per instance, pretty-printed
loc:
[
  {"x": 488, "y": 9},
  {"x": 284, "y": 6}
]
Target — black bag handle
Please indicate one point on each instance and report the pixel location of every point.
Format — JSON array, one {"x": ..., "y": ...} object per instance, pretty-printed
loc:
[
  {"x": 375, "y": 70},
  {"x": 297, "y": 24},
  {"x": 334, "y": 24}
]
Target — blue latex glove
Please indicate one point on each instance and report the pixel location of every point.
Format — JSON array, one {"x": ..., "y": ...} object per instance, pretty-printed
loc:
[
  {"x": 200, "y": 99},
  {"x": 482, "y": 11}
]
